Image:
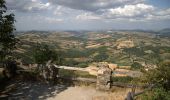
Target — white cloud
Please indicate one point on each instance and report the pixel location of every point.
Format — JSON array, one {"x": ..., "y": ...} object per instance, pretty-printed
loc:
[
  {"x": 44, "y": 19},
  {"x": 37, "y": 6},
  {"x": 73, "y": 11},
  {"x": 163, "y": 12},
  {"x": 34, "y": 0},
  {"x": 87, "y": 16},
  {"x": 129, "y": 11},
  {"x": 58, "y": 11},
  {"x": 41, "y": 19},
  {"x": 52, "y": 20},
  {"x": 93, "y": 5},
  {"x": 27, "y": 5},
  {"x": 65, "y": 11},
  {"x": 157, "y": 15}
]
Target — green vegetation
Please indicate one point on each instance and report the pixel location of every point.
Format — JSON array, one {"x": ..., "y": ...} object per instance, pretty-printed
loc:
[
  {"x": 74, "y": 74},
  {"x": 74, "y": 53},
  {"x": 80, "y": 50},
  {"x": 126, "y": 79},
  {"x": 160, "y": 75},
  {"x": 7, "y": 38},
  {"x": 42, "y": 54},
  {"x": 161, "y": 78},
  {"x": 155, "y": 94},
  {"x": 136, "y": 65},
  {"x": 8, "y": 41},
  {"x": 75, "y": 46},
  {"x": 82, "y": 65},
  {"x": 70, "y": 63},
  {"x": 100, "y": 57},
  {"x": 134, "y": 51}
]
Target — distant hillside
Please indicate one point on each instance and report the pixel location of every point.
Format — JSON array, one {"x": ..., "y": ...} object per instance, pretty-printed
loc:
[
  {"x": 164, "y": 32},
  {"x": 80, "y": 48}
]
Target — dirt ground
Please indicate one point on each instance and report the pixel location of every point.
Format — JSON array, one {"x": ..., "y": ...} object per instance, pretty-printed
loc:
[
  {"x": 88, "y": 93},
  {"x": 43, "y": 91}
]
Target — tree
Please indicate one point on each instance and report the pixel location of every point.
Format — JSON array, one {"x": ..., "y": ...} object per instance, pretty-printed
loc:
[
  {"x": 100, "y": 57},
  {"x": 161, "y": 78},
  {"x": 44, "y": 57},
  {"x": 160, "y": 75},
  {"x": 42, "y": 54},
  {"x": 7, "y": 38},
  {"x": 136, "y": 65}
]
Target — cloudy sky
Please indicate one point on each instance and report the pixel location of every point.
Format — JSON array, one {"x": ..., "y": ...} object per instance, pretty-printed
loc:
[{"x": 90, "y": 14}]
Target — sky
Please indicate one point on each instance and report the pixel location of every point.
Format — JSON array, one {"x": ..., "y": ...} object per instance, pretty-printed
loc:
[{"x": 90, "y": 14}]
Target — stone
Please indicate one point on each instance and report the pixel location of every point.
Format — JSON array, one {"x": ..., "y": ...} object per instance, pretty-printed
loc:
[
  {"x": 104, "y": 77},
  {"x": 50, "y": 72}
]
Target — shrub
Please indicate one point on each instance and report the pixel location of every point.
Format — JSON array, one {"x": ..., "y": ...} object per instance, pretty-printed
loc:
[{"x": 136, "y": 65}]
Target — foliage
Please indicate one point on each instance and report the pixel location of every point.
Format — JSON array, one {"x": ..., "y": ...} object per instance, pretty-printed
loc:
[
  {"x": 136, "y": 65},
  {"x": 100, "y": 57},
  {"x": 134, "y": 51},
  {"x": 74, "y": 74},
  {"x": 83, "y": 65},
  {"x": 70, "y": 63},
  {"x": 161, "y": 94},
  {"x": 42, "y": 54},
  {"x": 156, "y": 94},
  {"x": 7, "y": 38},
  {"x": 126, "y": 79},
  {"x": 66, "y": 73},
  {"x": 161, "y": 77},
  {"x": 75, "y": 53}
]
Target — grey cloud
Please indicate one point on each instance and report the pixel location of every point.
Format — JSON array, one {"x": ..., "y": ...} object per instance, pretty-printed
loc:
[
  {"x": 129, "y": 11},
  {"x": 26, "y": 5},
  {"x": 137, "y": 12},
  {"x": 93, "y": 5}
]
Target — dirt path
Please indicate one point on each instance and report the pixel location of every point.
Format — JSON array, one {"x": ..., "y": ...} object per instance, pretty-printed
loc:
[
  {"x": 88, "y": 93},
  {"x": 42, "y": 91}
]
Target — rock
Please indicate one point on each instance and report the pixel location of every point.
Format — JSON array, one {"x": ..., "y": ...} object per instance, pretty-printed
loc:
[
  {"x": 104, "y": 77},
  {"x": 92, "y": 70},
  {"x": 112, "y": 66},
  {"x": 50, "y": 72}
]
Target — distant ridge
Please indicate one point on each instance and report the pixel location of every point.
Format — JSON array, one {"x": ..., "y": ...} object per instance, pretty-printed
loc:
[{"x": 164, "y": 32}]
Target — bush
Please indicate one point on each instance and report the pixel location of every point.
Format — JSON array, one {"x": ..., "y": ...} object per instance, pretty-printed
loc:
[
  {"x": 161, "y": 94},
  {"x": 42, "y": 54},
  {"x": 156, "y": 94},
  {"x": 126, "y": 79},
  {"x": 100, "y": 57},
  {"x": 70, "y": 62},
  {"x": 136, "y": 65},
  {"x": 82, "y": 65},
  {"x": 161, "y": 77}
]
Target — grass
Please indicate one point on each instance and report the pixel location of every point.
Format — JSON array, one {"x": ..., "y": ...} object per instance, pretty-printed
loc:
[
  {"x": 69, "y": 73},
  {"x": 125, "y": 79}
]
